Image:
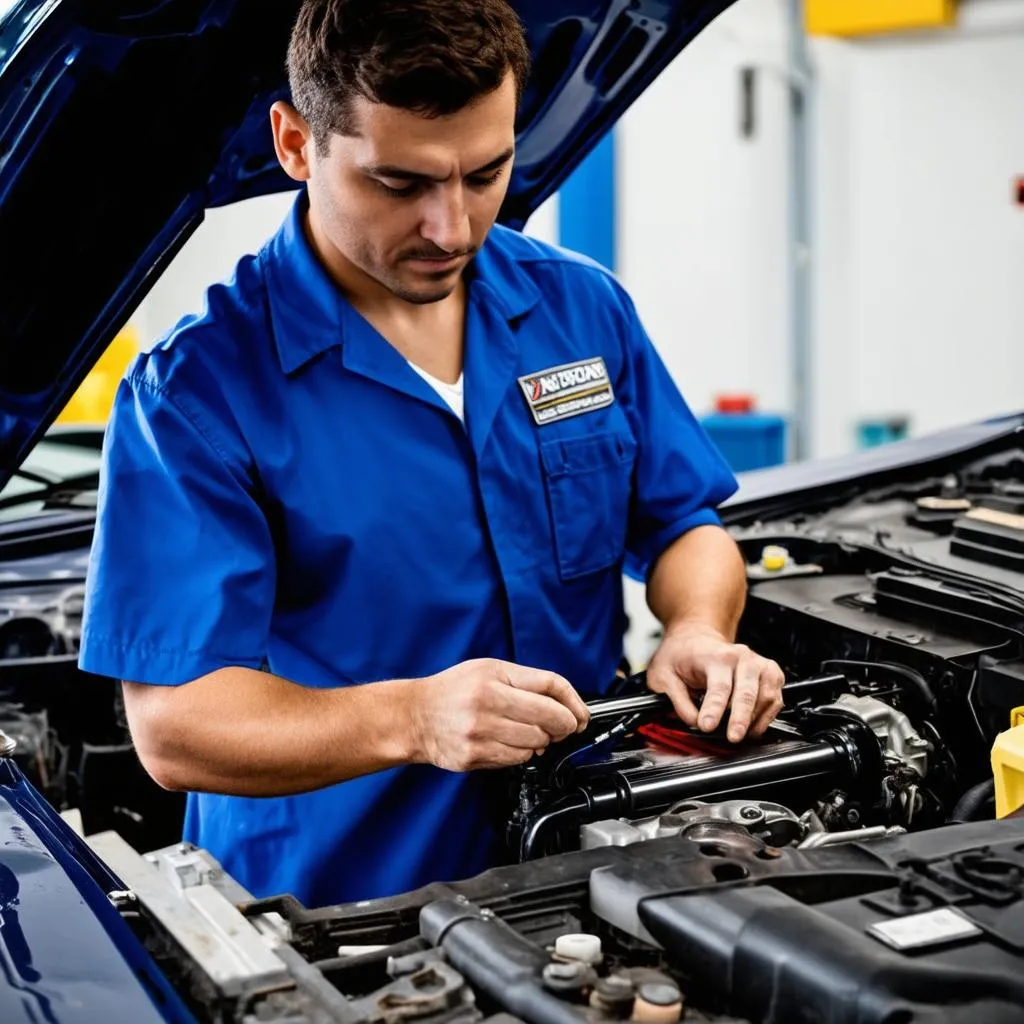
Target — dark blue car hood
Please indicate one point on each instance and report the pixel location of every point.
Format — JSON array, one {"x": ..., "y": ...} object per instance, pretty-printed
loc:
[
  {"x": 66, "y": 955},
  {"x": 121, "y": 121}
]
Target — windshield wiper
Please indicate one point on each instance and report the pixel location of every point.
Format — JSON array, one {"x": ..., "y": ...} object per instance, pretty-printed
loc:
[{"x": 55, "y": 494}]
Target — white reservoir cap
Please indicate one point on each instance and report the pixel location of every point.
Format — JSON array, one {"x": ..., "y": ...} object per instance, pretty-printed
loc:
[{"x": 579, "y": 946}]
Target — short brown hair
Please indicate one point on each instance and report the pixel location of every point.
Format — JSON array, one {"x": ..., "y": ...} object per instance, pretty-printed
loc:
[{"x": 433, "y": 57}]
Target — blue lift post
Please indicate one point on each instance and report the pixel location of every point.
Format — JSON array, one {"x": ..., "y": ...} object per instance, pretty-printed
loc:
[{"x": 586, "y": 205}]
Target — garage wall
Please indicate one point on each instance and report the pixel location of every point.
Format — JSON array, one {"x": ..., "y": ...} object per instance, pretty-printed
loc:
[
  {"x": 702, "y": 211},
  {"x": 921, "y": 247},
  {"x": 918, "y": 249}
]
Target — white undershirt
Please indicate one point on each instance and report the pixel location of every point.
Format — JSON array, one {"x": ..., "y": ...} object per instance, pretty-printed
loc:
[{"x": 451, "y": 393}]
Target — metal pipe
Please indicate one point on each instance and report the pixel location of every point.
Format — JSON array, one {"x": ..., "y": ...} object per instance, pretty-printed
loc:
[
  {"x": 801, "y": 90},
  {"x": 857, "y": 835},
  {"x": 569, "y": 810},
  {"x": 642, "y": 791},
  {"x": 653, "y": 791}
]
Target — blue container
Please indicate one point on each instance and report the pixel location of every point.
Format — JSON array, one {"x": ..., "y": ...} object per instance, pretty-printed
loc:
[
  {"x": 871, "y": 433},
  {"x": 748, "y": 440}
]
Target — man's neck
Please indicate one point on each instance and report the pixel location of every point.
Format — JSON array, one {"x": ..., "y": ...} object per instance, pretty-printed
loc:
[{"x": 428, "y": 334}]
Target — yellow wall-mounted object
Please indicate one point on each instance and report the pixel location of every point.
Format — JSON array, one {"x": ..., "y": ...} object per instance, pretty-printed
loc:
[
  {"x": 1008, "y": 767},
  {"x": 869, "y": 17},
  {"x": 93, "y": 400}
]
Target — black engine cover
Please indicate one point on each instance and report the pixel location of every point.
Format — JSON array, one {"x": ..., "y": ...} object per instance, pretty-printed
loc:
[{"x": 792, "y": 937}]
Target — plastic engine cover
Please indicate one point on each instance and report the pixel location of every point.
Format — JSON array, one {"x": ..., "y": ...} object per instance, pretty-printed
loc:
[{"x": 920, "y": 928}]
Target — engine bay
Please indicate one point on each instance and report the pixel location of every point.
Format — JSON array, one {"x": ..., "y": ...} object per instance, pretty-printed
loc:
[
  {"x": 845, "y": 867},
  {"x": 897, "y": 617}
]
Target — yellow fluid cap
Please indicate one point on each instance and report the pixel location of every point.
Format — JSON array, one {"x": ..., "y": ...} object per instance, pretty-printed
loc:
[
  {"x": 774, "y": 557},
  {"x": 1017, "y": 717},
  {"x": 1008, "y": 769}
]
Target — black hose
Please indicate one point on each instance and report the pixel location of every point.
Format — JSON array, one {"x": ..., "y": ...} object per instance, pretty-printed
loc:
[
  {"x": 497, "y": 961},
  {"x": 968, "y": 806},
  {"x": 909, "y": 675}
]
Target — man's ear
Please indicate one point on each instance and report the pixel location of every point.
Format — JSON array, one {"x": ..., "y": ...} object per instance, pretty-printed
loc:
[{"x": 293, "y": 141}]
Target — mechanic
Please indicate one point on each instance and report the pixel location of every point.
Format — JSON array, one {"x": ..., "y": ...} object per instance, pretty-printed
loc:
[{"x": 407, "y": 449}]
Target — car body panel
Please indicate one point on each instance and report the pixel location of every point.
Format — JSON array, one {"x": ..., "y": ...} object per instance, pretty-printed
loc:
[
  {"x": 824, "y": 479},
  {"x": 66, "y": 955}
]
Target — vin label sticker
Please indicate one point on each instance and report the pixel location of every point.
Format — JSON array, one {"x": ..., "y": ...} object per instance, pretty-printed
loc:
[
  {"x": 568, "y": 390},
  {"x": 918, "y": 931}
]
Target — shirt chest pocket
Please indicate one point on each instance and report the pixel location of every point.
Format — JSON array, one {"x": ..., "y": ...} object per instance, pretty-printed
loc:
[{"x": 588, "y": 482}]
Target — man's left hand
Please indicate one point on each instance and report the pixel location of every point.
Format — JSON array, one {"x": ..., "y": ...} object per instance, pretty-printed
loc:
[{"x": 697, "y": 657}]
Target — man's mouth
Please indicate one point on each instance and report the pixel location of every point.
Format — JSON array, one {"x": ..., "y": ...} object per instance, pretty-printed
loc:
[{"x": 436, "y": 261}]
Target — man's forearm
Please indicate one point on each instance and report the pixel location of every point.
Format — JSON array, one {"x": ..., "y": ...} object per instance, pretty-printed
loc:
[
  {"x": 699, "y": 580},
  {"x": 250, "y": 733}
]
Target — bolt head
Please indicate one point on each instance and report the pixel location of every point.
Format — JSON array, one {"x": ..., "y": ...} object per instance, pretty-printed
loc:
[
  {"x": 615, "y": 983},
  {"x": 750, "y": 813},
  {"x": 659, "y": 994},
  {"x": 562, "y": 971}
]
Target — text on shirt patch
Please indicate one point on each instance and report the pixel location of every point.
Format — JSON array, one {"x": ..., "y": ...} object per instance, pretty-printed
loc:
[{"x": 569, "y": 390}]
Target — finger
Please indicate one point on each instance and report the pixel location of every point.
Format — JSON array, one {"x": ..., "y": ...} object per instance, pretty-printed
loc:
[
  {"x": 497, "y": 755},
  {"x": 745, "y": 691},
  {"x": 521, "y": 735},
  {"x": 662, "y": 679},
  {"x": 555, "y": 719},
  {"x": 766, "y": 717},
  {"x": 771, "y": 701},
  {"x": 552, "y": 685},
  {"x": 719, "y": 678}
]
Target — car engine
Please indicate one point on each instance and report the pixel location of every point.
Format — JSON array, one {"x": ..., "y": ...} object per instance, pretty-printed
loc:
[
  {"x": 701, "y": 920},
  {"x": 897, "y": 615},
  {"x": 845, "y": 868}
]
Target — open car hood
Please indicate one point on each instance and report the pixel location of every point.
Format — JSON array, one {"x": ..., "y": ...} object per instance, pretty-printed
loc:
[{"x": 121, "y": 121}]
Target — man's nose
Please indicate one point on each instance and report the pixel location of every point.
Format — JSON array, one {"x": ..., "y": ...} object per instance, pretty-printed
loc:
[{"x": 446, "y": 220}]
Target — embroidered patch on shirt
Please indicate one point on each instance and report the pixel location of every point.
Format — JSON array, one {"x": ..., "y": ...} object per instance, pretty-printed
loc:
[{"x": 569, "y": 390}]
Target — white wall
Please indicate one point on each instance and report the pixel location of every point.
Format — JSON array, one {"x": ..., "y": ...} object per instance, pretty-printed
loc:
[
  {"x": 918, "y": 251},
  {"x": 227, "y": 234},
  {"x": 702, "y": 211},
  {"x": 920, "y": 266}
]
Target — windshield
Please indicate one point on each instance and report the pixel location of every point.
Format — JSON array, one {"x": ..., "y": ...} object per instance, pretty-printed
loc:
[{"x": 62, "y": 471}]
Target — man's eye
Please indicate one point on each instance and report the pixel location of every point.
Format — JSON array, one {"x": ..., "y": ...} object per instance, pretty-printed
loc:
[
  {"x": 489, "y": 180},
  {"x": 397, "y": 193}
]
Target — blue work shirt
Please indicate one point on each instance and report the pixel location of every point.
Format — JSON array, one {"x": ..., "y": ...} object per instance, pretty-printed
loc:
[{"x": 281, "y": 490}]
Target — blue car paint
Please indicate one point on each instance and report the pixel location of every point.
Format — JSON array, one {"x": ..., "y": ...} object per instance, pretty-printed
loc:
[{"x": 66, "y": 955}]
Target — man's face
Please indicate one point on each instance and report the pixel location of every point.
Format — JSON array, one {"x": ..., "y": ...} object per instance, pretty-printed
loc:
[{"x": 409, "y": 199}]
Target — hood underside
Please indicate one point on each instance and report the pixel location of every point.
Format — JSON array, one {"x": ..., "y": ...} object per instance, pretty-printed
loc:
[{"x": 122, "y": 121}]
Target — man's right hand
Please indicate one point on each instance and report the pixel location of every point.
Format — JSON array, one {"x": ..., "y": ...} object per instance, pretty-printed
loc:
[{"x": 492, "y": 714}]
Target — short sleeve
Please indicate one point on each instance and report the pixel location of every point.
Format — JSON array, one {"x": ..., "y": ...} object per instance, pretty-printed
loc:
[
  {"x": 181, "y": 576},
  {"x": 680, "y": 476}
]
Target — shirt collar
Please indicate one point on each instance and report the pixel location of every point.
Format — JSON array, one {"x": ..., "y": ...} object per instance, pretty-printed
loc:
[{"x": 309, "y": 313}]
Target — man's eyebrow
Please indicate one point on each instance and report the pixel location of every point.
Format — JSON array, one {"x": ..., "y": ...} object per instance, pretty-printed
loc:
[{"x": 401, "y": 174}]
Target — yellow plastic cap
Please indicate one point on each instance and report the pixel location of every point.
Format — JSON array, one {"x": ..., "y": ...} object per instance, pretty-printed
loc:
[
  {"x": 774, "y": 558},
  {"x": 1008, "y": 769}
]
